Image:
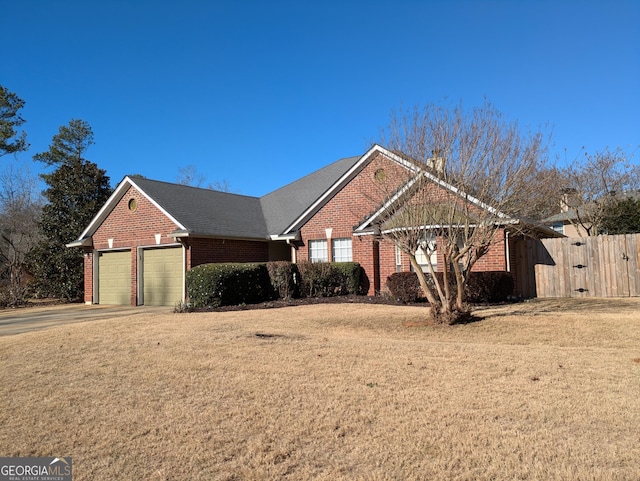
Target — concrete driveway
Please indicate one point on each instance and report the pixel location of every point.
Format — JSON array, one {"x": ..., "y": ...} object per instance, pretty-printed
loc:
[{"x": 16, "y": 321}]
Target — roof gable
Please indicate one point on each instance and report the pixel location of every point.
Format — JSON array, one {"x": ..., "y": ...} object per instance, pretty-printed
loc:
[
  {"x": 279, "y": 214},
  {"x": 350, "y": 168},
  {"x": 194, "y": 211},
  {"x": 411, "y": 184},
  {"x": 107, "y": 208},
  {"x": 206, "y": 212},
  {"x": 372, "y": 224}
]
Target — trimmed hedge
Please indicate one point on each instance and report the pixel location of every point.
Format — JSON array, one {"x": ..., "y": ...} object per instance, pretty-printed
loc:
[
  {"x": 404, "y": 286},
  {"x": 324, "y": 279},
  {"x": 284, "y": 278},
  {"x": 214, "y": 285},
  {"x": 490, "y": 286}
]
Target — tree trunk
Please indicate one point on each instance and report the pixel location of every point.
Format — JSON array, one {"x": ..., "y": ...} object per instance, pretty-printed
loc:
[
  {"x": 460, "y": 286},
  {"x": 436, "y": 305}
]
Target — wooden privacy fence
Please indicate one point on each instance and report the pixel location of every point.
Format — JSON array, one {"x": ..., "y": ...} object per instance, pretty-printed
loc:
[{"x": 599, "y": 266}]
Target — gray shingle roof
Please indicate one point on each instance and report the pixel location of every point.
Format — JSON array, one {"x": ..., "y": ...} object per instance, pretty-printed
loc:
[
  {"x": 208, "y": 212},
  {"x": 211, "y": 213},
  {"x": 285, "y": 205},
  {"x": 567, "y": 216}
]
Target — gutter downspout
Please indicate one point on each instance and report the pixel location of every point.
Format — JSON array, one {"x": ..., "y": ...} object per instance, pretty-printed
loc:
[{"x": 507, "y": 250}]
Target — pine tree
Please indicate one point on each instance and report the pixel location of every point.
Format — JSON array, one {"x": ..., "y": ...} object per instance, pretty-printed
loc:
[
  {"x": 11, "y": 141},
  {"x": 622, "y": 217},
  {"x": 76, "y": 190}
]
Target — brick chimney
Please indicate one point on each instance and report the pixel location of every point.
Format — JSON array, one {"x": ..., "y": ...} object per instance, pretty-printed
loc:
[
  {"x": 569, "y": 199},
  {"x": 436, "y": 161}
]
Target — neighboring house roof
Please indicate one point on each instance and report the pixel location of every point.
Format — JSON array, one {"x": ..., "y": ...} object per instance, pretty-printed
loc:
[
  {"x": 582, "y": 212},
  {"x": 568, "y": 216}
]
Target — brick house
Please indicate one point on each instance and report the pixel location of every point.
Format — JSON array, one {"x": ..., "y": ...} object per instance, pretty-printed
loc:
[{"x": 149, "y": 233}]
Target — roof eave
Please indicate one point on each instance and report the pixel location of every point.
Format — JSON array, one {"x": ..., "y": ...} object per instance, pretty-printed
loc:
[
  {"x": 83, "y": 242},
  {"x": 293, "y": 236},
  {"x": 182, "y": 233},
  {"x": 342, "y": 181}
]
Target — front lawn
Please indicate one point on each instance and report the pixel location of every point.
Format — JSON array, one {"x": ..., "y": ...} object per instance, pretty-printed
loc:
[{"x": 539, "y": 390}]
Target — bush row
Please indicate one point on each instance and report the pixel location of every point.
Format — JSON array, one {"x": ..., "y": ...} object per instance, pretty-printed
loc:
[
  {"x": 481, "y": 286},
  {"x": 215, "y": 285}
]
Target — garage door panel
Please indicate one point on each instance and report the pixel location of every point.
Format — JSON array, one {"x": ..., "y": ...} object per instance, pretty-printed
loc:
[
  {"x": 163, "y": 276},
  {"x": 114, "y": 278}
]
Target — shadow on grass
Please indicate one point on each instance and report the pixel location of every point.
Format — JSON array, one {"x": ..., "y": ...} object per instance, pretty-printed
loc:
[
  {"x": 460, "y": 319},
  {"x": 466, "y": 318}
]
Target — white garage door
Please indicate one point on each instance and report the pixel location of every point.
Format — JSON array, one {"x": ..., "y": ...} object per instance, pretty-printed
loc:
[
  {"x": 114, "y": 277},
  {"x": 163, "y": 276}
]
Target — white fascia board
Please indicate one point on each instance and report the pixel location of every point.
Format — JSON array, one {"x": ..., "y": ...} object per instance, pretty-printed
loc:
[
  {"x": 464, "y": 196},
  {"x": 289, "y": 237},
  {"x": 86, "y": 242},
  {"x": 385, "y": 206},
  {"x": 160, "y": 208},
  {"x": 106, "y": 208},
  {"x": 426, "y": 227},
  {"x": 111, "y": 202},
  {"x": 410, "y": 166},
  {"x": 342, "y": 181},
  {"x": 443, "y": 184},
  {"x": 441, "y": 226}
]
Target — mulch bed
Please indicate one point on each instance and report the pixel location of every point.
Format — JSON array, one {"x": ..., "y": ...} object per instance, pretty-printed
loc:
[{"x": 310, "y": 301}]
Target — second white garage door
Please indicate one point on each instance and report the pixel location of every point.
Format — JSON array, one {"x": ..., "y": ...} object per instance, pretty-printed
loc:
[{"x": 163, "y": 276}]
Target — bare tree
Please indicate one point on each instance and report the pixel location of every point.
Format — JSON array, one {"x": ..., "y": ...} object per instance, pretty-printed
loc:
[
  {"x": 546, "y": 190},
  {"x": 190, "y": 175},
  {"x": 20, "y": 209},
  {"x": 470, "y": 176},
  {"x": 596, "y": 181}
]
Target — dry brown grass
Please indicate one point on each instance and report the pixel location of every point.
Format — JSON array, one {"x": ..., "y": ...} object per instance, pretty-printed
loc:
[{"x": 535, "y": 391}]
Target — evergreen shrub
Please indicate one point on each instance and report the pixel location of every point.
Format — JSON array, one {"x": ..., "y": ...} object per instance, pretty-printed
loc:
[
  {"x": 324, "y": 279},
  {"x": 215, "y": 285},
  {"x": 284, "y": 278},
  {"x": 490, "y": 286},
  {"x": 404, "y": 286}
]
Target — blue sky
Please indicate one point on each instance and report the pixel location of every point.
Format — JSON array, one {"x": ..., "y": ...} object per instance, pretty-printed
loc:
[{"x": 260, "y": 93}]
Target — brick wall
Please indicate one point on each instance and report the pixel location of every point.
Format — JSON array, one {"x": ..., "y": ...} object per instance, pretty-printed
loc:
[
  {"x": 130, "y": 229},
  {"x": 388, "y": 262},
  {"x": 361, "y": 197},
  {"x": 365, "y": 252},
  {"x": 204, "y": 251},
  {"x": 348, "y": 208},
  {"x": 88, "y": 275},
  {"x": 495, "y": 259},
  {"x": 136, "y": 227}
]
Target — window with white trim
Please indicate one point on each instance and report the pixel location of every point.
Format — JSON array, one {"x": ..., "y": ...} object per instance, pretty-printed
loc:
[
  {"x": 341, "y": 250},
  {"x": 398, "y": 259},
  {"x": 558, "y": 227},
  {"x": 427, "y": 251},
  {"x": 318, "y": 251}
]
